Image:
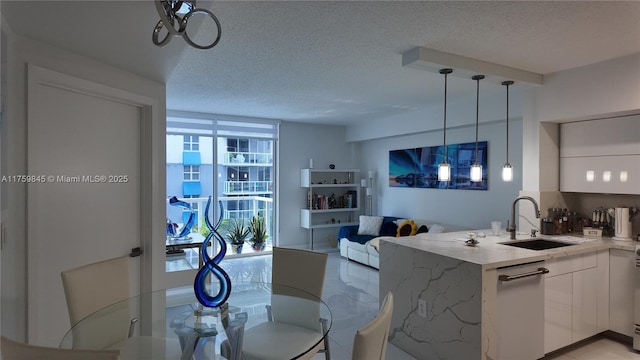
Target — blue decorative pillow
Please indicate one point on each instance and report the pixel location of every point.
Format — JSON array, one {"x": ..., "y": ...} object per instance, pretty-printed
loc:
[
  {"x": 388, "y": 229},
  {"x": 422, "y": 229}
]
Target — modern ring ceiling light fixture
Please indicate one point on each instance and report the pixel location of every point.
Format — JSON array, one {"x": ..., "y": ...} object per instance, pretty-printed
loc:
[
  {"x": 507, "y": 170},
  {"x": 476, "y": 168},
  {"x": 174, "y": 17},
  {"x": 444, "y": 169}
]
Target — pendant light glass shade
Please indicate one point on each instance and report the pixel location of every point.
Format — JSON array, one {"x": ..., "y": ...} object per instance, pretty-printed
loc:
[
  {"x": 476, "y": 168},
  {"x": 507, "y": 170},
  {"x": 444, "y": 172},
  {"x": 444, "y": 169},
  {"x": 476, "y": 172}
]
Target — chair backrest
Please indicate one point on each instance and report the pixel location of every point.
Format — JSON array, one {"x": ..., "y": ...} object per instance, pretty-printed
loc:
[
  {"x": 92, "y": 287},
  {"x": 12, "y": 350},
  {"x": 300, "y": 269},
  {"x": 370, "y": 341}
]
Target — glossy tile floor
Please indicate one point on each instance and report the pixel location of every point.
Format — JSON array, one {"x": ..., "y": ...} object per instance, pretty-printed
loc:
[
  {"x": 351, "y": 291},
  {"x": 599, "y": 348}
]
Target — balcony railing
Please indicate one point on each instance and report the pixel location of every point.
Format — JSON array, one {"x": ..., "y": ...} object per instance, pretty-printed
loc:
[
  {"x": 248, "y": 187},
  {"x": 249, "y": 158}
]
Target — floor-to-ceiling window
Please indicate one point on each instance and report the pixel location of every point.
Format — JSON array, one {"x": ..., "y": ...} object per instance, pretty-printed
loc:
[{"x": 231, "y": 160}]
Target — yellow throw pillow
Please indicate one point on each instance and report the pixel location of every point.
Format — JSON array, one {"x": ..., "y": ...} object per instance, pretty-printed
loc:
[{"x": 407, "y": 228}]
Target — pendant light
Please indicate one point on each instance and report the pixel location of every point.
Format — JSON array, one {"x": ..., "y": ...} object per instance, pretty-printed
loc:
[
  {"x": 476, "y": 168},
  {"x": 507, "y": 170},
  {"x": 444, "y": 169}
]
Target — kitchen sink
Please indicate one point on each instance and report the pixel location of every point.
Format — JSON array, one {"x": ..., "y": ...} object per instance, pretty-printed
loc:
[{"x": 536, "y": 244}]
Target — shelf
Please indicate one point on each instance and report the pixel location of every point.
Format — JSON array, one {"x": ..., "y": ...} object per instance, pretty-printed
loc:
[
  {"x": 345, "y": 178},
  {"x": 333, "y": 185},
  {"x": 332, "y": 225},
  {"x": 329, "y": 187},
  {"x": 321, "y": 211},
  {"x": 332, "y": 170}
]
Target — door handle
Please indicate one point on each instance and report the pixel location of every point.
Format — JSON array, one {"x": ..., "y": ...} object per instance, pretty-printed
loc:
[
  {"x": 540, "y": 271},
  {"x": 135, "y": 252}
]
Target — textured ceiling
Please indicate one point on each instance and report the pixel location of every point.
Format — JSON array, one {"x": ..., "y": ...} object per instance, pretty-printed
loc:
[{"x": 334, "y": 62}]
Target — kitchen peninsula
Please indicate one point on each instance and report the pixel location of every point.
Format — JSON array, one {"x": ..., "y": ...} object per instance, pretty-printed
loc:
[{"x": 450, "y": 303}]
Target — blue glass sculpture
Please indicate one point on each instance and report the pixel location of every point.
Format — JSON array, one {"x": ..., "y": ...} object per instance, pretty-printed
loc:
[
  {"x": 170, "y": 230},
  {"x": 211, "y": 266},
  {"x": 186, "y": 229}
]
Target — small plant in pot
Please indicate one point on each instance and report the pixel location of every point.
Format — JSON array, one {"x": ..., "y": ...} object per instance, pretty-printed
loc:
[
  {"x": 236, "y": 234},
  {"x": 258, "y": 229}
]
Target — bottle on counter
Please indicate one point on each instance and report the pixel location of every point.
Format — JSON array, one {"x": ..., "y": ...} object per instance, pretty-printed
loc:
[
  {"x": 548, "y": 226},
  {"x": 558, "y": 222},
  {"x": 571, "y": 222}
]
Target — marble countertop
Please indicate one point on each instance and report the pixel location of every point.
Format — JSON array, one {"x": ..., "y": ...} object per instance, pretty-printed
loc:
[{"x": 491, "y": 255}]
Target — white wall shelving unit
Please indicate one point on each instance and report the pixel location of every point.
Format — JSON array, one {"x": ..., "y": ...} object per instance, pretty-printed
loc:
[{"x": 325, "y": 184}]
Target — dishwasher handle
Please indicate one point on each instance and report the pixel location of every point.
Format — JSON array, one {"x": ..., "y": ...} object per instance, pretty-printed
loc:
[{"x": 540, "y": 271}]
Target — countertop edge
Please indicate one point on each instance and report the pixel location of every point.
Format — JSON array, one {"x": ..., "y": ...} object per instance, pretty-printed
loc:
[{"x": 490, "y": 254}]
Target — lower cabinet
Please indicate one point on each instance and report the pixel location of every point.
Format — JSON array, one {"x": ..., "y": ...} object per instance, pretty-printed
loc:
[
  {"x": 574, "y": 305},
  {"x": 584, "y": 304},
  {"x": 621, "y": 291},
  {"x": 558, "y": 311}
]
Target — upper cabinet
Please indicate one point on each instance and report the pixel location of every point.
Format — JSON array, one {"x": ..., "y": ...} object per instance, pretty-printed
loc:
[{"x": 601, "y": 156}]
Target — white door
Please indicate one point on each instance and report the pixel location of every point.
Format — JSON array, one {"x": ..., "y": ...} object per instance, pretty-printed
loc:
[{"x": 83, "y": 202}]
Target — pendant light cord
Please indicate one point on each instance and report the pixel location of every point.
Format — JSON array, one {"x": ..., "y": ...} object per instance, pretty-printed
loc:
[
  {"x": 477, "y": 78},
  {"x": 477, "y": 112},
  {"x": 507, "y": 84},
  {"x": 507, "y": 123},
  {"x": 444, "y": 131},
  {"x": 445, "y": 72}
]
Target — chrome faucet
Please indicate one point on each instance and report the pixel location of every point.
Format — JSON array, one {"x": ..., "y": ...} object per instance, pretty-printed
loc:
[{"x": 512, "y": 228}]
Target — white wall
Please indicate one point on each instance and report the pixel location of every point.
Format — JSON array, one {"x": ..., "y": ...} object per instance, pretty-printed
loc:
[
  {"x": 299, "y": 143},
  {"x": 600, "y": 90},
  {"x": 20, "y": 52},
  {"x": 460, "y": 112},
  {"x": 461, "y": 208}
]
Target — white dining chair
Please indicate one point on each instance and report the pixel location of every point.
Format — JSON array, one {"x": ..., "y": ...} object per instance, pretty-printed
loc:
[
  {"x": 13, "y": 350},
  {"x": 289, "y": 330},
  {"x": 94, "y": 286},
  {"x": 370, "y": 341}
]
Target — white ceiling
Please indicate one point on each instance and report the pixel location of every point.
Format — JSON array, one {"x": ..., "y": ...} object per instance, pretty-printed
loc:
[{"x": 332, "y": 62}]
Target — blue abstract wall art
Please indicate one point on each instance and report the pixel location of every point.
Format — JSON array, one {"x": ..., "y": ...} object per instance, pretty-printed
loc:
[{"x": 418, "y": 167}]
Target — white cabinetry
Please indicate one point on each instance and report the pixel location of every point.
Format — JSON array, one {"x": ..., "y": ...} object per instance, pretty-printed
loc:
[
  {"x": 558, "y": 303},
  {"x": 520, "y": 309},
  {"x": 332, "y": 199},
  {"x": 601, "y": 156},
  {"x": 621, "y": 291},
  {"x": 576, "y": 302}
]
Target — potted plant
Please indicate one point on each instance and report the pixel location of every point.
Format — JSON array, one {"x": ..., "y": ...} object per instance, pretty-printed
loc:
[
  {"x": 236, "y": 234},
  {"x": 258, "y": 229}
]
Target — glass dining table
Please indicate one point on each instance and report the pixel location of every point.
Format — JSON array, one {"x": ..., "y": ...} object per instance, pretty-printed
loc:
[{"x": 172, "y": 324}]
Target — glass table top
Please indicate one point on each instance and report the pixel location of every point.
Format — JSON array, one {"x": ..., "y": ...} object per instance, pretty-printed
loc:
[{"x": 171, "y": 324}]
